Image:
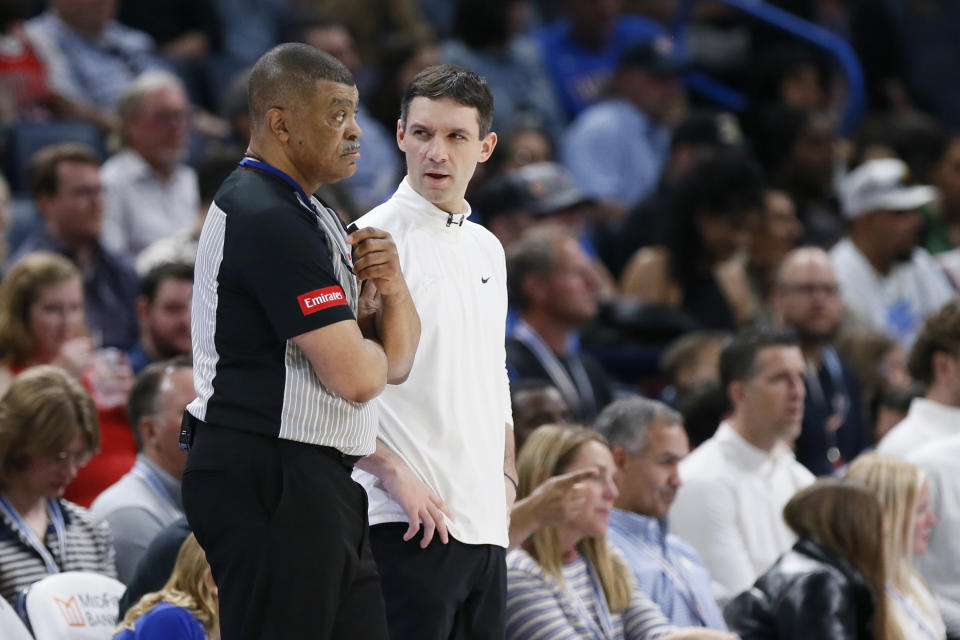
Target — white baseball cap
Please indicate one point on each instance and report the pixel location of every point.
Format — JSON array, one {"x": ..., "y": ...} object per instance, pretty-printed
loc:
[{"x": 880, "y": 185}]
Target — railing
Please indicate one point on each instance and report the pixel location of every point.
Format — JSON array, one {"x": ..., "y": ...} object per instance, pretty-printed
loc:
[{"x": 797, "y": 28}]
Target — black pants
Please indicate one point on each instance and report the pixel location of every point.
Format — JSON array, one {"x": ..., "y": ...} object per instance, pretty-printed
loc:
[
  {"x": 285, "y": 531},
  {"x": 446, "y": 591}
]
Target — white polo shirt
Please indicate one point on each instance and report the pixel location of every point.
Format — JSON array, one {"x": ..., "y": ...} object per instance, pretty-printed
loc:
[
  {"x": 925, "y": 422},
  {"x": 446, "y": 422},
  {"x": 730, "y": 507}
]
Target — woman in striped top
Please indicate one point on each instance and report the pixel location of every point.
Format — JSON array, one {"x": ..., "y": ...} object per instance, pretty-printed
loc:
[
  {"x": 48, "y": 430},
  {"x": 565, "y": 583}
]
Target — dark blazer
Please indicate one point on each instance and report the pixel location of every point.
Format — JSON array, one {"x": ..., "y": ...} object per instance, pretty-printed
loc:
[{"x": 809, "y": 593}]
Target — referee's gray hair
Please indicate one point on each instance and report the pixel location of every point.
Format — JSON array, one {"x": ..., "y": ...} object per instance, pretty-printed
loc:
[
  {"x": 625, "y": 422},
  {"x": 128, "y": 104}
]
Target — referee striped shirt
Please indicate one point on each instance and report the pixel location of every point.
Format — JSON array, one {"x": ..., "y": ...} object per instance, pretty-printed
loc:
[
  {"x": 269, "y": 268},
  {"x": 538, "y": 608},
  {"x": 89, "y": 548}
]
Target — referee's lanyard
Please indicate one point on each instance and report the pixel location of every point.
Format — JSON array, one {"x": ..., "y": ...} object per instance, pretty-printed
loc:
[
  {"x": 147, "y": 474},
  {"x": 305, "y": 200},
  {"x": 56, "y": 517}
]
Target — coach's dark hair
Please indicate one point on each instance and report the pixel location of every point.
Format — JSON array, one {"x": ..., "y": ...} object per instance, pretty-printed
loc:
[
  {"x": 457, "y": 83},
  {"x": 739, "y": 356},
  {"x": 287, "y": 74},
  {"x": 163, "y": 271},
  {"x": 142, "y": 400}
]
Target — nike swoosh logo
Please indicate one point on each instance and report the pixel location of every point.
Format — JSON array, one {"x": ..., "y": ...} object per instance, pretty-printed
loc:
[{"x": 484, "y": 280}]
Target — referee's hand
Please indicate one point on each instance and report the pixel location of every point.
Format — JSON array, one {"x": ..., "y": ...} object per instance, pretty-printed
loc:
[{"x": 375, "y": 258}]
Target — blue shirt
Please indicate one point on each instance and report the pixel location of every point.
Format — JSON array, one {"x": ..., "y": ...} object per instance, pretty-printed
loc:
[
  {"x": 614, "y": 151},
  {"x": 164, "y": 622},
  {"x": 580, "y": 75},
  {"x": 667, "y": 569},
  {"x": 98, "y": 70}
]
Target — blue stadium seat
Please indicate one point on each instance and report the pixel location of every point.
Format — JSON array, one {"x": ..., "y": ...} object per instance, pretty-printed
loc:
[{"x": 24, "y": 139}]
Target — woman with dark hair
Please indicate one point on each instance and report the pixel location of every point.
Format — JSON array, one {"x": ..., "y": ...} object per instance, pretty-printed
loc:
[
  {"x": 702, "y": 267},
  {"x": 831, "y": 585}
]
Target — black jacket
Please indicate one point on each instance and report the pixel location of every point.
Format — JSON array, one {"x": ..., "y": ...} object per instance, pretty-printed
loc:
[{"x": 808, "y": 594}]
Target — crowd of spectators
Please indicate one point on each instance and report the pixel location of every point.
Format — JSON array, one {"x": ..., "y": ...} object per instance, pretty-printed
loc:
[{"x": 770, "y": 293}]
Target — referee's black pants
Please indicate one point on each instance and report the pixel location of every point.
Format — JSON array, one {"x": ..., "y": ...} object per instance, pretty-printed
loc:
[
  {"x": 285, "y": 531},
  {"x": 451, "y": 591}
]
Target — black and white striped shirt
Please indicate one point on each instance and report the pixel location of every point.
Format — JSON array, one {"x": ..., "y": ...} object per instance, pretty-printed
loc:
[
  {"x": 540, "y": 608},
  {"x": 88, "y": 544},
  {"x": 270, "y": 268}
]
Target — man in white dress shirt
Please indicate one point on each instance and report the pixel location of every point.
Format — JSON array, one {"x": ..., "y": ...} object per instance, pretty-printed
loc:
[
  {"x": 934, "y": 361},
  {"x": 736, "y": 484},
  {"x": 151, "y": 193}
]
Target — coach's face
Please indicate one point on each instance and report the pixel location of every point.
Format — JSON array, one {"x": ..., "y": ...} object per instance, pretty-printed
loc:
[
  {"x": 324, "y": 136},
  {"x": 443, "y": 146}
]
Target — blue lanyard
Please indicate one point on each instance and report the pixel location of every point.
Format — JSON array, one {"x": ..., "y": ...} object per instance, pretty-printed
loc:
[
  {"x": 302, "y": 196},
  {"x": 56, "y": 517},
  {"x": 601, "y": 626},
  {"x": 280, "y": 175},
  {"x": 912, "y": 613},
  {"x": 576, "y": 390},
  {"x": 147, "y": 474}
]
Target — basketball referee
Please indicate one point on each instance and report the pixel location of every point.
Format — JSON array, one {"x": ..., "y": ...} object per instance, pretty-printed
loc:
[{"x": 288, "y": 350}]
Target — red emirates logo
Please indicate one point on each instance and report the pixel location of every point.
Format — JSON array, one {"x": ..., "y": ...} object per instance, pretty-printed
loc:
[{"x": 320, "y": 299}]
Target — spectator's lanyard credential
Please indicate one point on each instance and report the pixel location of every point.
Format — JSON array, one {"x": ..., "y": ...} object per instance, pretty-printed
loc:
[
  {"x": 146, "y": 474},
  {"x": 674, "y": 575},
  {"x": 577, "y": 391},
  {"x": 304, "y": 199},
  {"x": 912, "y": 613},
  {"x": 601, "y": 626},
  {"x": 838, "y": 405},
  {"x": 56, "y": 517}
]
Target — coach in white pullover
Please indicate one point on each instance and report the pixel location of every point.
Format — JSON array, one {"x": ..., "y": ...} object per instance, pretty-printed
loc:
[{"x": 444, "y": 460}]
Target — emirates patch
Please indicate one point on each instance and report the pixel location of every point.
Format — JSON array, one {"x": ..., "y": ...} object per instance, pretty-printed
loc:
[{"x": 321, "y": 299}]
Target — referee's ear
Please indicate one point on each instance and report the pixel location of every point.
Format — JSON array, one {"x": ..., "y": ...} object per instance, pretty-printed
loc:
[{"x": 276, "y": 118}]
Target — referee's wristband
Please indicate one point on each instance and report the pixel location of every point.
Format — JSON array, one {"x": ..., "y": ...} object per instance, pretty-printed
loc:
[{"x": 506, "y": 475}]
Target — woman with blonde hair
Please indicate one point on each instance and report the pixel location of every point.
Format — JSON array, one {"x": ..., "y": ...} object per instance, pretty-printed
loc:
[
  {"x": 565, "y": 582},
  {"x": 904, "y": 495},
  {"x": 185, "y": 609},
  {"x": 830, "y": 585}
]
